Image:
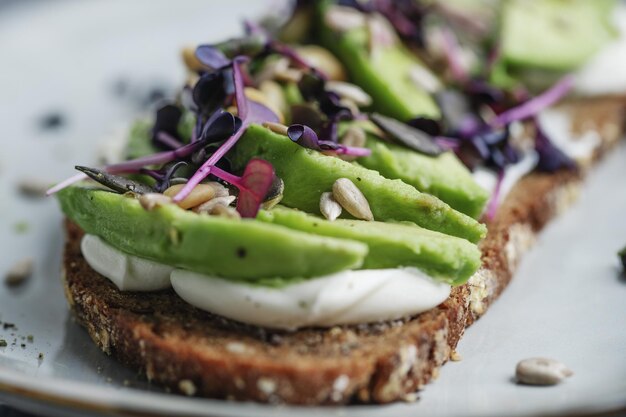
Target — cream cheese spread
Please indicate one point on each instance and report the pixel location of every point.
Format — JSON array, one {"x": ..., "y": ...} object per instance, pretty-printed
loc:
[
  {"x": 127, "y": 272},
  {"x": 347, "y": 297},
  {"x": 604, "y": 73}
]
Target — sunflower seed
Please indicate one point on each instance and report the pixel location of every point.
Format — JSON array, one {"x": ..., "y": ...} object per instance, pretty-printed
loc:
[
  {"x": 323, "y": 60},
  {"x": 209, "y": 206},
  {"x": 424, "y": 79},
  {"x": 353, "y": 137},
  {"x": 541, "y": 371},
  {"x": 150, "y": 201},
  {"x": 279, "y": 128},
  {"x": 352, "y": 199},
  {"x": 289, "y": 75},
  {"x": 19, "y": 272},
  {"x": 191, "y": 61},
  {"x": 275, "y": 194},
  {"x": 343, "y": 19},
  {"x": 200, "y": 193},
  {"x": 226, "y": 211},
  {"x": 329, "y": 207},
  {"x": 274, "y": 94},
  {"x": 349, "y": 91}
]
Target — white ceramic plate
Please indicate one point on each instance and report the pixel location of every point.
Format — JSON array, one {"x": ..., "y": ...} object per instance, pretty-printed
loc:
[{"x": 567, "y": 300}]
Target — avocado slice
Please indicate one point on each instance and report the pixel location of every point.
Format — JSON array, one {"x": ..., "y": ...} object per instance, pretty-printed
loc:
[
  {"x": 384, "y": 75},
  {"x": 443, "y": 176},
  {"x": 308, "y": 173},
  {"x": 564, "y": 35},
  {"x": 244, "y": 249},
  {"x": 391, "y": 245}
]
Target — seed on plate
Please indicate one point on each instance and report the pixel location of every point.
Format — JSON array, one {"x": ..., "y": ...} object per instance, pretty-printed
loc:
[
  {"x": 200, "y": 193},
  {"x": 322, "y": 59},
  {"x": 209, "y": 206},
  {"x": 349, "y": 91},
  {"x": 352, "y": 199},
  {"x": 329, "y": 207},
  {"x": 151, "y": 201},
  {"x": 19, "y": 272},
  {"x": 455, "y": 356},
  {"x": 541, "y": 371},
  {"x": 33, "y": 187},
  {"x": 279, "y": 128}
]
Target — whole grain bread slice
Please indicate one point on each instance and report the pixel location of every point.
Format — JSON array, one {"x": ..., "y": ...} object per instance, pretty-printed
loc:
[{"x": 197, "y": 353}]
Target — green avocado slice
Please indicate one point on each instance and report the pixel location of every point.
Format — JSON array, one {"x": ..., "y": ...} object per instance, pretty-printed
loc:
[
  {"x": 384, "y": 75},
  {"x": 244, "y": 249},
  {"x": 564, "y": 35},
  {"x": 308, "y": 173},
  {"x": 443, "y": 176},
  {"x": 445, "y": 258}
]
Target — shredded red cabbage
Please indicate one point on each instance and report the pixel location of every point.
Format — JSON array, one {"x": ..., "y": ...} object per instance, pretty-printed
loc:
[{"x": 536, "y": 104}]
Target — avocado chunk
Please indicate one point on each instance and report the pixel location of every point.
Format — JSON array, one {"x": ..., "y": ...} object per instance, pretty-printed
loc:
[
  {"x": 244, "y": 249},
  {"x": 384, "y": 75},
  {"x": 564, "y": 35},
  {"x": 308, "y": 173},
  {"x": 445, "y": 258},
  {"x": 443, "y": 176}
]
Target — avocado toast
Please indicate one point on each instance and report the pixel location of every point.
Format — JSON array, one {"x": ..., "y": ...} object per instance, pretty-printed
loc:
[{"x": 210, "y": 354}]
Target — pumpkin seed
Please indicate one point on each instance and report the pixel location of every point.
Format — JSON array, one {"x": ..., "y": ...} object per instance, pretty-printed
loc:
[{"x": 541, "y": 371}]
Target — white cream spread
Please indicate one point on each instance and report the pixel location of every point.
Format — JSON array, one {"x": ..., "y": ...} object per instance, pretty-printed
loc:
[
  {"x": 347, "y": 297},
  {"x": 488, "y": 179},
  {"x": 557, "y": 125},
  {"x": 604, "y": 73},
  {"x": 127, "y": 272}
]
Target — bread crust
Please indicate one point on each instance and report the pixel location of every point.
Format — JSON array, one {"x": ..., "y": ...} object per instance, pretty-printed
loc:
[{"x": 198, "y": 353}]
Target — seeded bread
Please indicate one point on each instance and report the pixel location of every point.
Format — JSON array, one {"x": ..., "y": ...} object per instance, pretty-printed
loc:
[{"x": 197, "y": 353}]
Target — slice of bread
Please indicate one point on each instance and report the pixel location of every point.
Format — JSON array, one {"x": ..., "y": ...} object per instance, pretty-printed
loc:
[{"x": 197, "y": 353}]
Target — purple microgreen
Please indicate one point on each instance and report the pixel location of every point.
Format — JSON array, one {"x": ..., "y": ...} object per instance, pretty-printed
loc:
[
  {"x": 551, "y": 158},
  {"x": 165, "y": 130},
  {"x": 307, "y": 138},
  {"x": 293, "y": 56},
  {"x": 211, "y": 57},
  {"x": 453, "y": 54},
  {"x": 406, "y": 135},
  {"x": 536, "y": 104},
  {"x": 66, "y": 183},
  {"x": 253, "y": 185},
  {"x": 164, "y": 183},
  {"x": 210, "y": 92},
  {"x": 492, "y": 206},
  {"x": 448, "y": 143},
  {"x": 303, "y": 136},
  {"x": 249, "y": 112},
  {"x": 168, "y": 140}
]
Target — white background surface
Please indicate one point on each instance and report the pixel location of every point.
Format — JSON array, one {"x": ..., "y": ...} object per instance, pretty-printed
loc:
[{"x": 567, "y": 300}]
